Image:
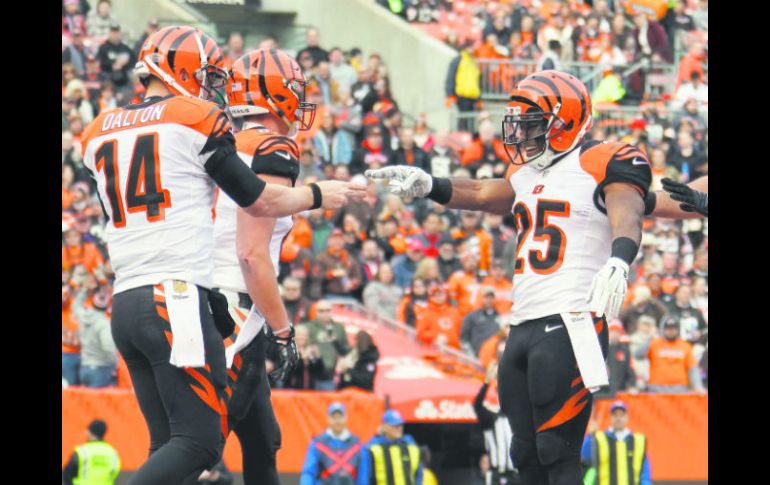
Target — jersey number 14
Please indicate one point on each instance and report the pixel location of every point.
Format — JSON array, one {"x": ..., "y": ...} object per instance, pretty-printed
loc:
[{"x": 143, "y": 190}]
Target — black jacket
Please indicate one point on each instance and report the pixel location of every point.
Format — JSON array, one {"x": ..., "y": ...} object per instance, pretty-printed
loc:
[
  {"x": 420, "y": 159},
  {"x": 362, "y": 373},
  {"x": 477, "y": 327},
  {"x": 108, "y": 54}
]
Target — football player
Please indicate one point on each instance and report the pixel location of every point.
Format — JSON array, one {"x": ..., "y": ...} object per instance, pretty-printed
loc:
[
  {"x": 266, "y": 93},
  {"x": 156, "y": 166},
  {"x": 679, "y": 201},
  {"x": 578, "y": 207}
]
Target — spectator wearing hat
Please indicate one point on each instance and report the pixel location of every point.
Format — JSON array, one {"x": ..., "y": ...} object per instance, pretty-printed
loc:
[
  {"x": 673, "y": 367},
  {"x": 550, "y": 60},
  {"x": 336, "y": 271},
  {"x": 100, "y": 20},
  {"x": 76, "y": 94},
  {"x": 117, "y": 61},
  {"x": 95, "y": 462},
  {"x": 98, "y": 354},
  {"x": 603, "y": 448},
  {"x": 382, "y": 295},
  {"x": 333, "y": 457},
  {"x": 448, "y": 263},
  {"x": 75, "y": 53},
  {"x": 638, "y": 135},
  {"x": 405, "y": 265},
  {"x": 359, "y": 366},
  {"x": 439, "y": 323},
  {"x": 332, "y": 342},
  {"x": 392, "y": 456},
  {"x": 464, "y": 283},
  {"x": 152, "y": 27},
  {"x": 502, "y": 286},
  {"x": 481, "y": 324},
  {"x": 371, "y": 153}
]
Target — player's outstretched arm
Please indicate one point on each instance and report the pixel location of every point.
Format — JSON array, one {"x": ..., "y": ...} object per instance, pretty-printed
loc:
[
  {"x": 493, "y": 195},
  {"x": 253, "y": 235},
  {"x": 279, "y": 201},
  {"x": 625, "y": 211},
  {"x": 672, "y": 202}
]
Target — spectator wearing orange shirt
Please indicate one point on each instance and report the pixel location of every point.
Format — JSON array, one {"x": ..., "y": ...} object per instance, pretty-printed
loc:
[
  {"x": 336, "y": 271},
  {"x": 431, "y": 234},
  {"x": 463, "y": 284},
  {"x": 439, "y": 322},
  {"x": 673, "y": 367},
  {"x": 493, "y": 347},
  {"x": 75, "y": 251},
  {"x": 412, "y": 303},
  {"x": 475, "y": 238},
  {"x": 485, "y": 150},
  {"x": 501, "y": 285}
]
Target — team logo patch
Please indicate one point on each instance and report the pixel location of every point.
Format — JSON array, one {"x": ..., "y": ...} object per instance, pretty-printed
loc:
[{"x": 538, "y": 189}]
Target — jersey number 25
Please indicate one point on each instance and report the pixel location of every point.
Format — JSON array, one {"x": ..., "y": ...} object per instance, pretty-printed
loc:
[
  {"x": 143, "y": 190},
  {"x": 544, "y": 231}
]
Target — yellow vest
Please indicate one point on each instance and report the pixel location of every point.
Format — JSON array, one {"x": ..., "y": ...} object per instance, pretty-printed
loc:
[
  {"x": 467, "y": 77},
  {"x": 628, "y": 464},
  {"x": 390, "y": 461},
  {"x": 98, "y": 464}
]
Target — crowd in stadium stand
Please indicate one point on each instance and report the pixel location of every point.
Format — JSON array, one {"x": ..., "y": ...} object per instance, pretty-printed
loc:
[{"x": 447, "y": 273}]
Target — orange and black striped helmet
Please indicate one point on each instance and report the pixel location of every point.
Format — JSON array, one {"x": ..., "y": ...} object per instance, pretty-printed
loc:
[
  {"x": 186, "y": 60},
  {"x": 548, "y": 114},
  {"x": 269, "y": 81}
]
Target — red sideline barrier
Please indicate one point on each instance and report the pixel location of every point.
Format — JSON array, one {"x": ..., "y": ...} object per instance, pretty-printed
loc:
[{"x": 301, "y": 414}]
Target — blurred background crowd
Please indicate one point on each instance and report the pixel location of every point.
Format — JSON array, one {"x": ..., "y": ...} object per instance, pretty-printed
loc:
[{"x": 446, "y": 273}]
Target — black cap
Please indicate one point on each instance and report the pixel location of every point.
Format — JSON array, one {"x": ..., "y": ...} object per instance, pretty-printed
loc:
[
  {"x": 669, "y": 321},
  {"x": 114, "y": 25},
  {"x": 97, "y": 428}
]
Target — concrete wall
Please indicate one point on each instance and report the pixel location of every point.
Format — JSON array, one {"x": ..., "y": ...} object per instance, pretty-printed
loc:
[{"x": 417, "y": 63}]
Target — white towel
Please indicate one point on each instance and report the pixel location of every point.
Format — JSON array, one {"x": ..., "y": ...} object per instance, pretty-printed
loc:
[
  {"x": 588, "y": 352},
  {"x": 187, "y": 349},
  {"x": 249, "y": 329}
]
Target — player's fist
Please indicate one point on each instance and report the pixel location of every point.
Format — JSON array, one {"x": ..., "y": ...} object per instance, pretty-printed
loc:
[
  {"x": 403, "y": 180},
  {"x": 335, "y": 193},
  {"x": 608, "y": 289}
]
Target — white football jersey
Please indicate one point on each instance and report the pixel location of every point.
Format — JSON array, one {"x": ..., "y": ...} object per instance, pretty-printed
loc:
[
  {"x": 267, "y": 153},
  {"x": 564, "y": 235},
  {"x": 151, "y": 180}
]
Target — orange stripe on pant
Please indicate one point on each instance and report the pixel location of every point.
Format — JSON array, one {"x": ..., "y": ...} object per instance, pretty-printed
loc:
[{"x": 209, "y": 396}]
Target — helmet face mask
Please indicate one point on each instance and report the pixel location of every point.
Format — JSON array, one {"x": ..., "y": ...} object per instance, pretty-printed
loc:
[
  {"x": 212, "y": 81},
  {"x": 527, "y": 134}
]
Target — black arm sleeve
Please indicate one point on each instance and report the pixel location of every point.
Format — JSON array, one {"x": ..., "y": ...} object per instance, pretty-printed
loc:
[
  {"x": 628, "y": 165},
  {"x": 70, "y": 470},
  {"x": 486, "y": 417},
  {"x": 234, "y": 177},
  {"x": 277, "y": 156}
]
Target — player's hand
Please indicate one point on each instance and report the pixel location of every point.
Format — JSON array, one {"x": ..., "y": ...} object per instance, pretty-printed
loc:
[
  {"x": 288, "y": 356},
  {"x": 404, "y": 180},
  {"x": 335, "y": 193},
  {"x": 691, "y": 200},
  {"x": 608, "y": 289}
]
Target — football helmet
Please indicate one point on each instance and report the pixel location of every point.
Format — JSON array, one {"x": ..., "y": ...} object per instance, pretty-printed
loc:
[
  {"x": 270, "y": 81},
  {"x": 548, "y": 115},
  {"x": 186, "y": 60}
]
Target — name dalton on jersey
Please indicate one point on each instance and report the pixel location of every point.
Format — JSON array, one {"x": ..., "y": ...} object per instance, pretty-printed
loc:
[{"x": 124, "y": 119}]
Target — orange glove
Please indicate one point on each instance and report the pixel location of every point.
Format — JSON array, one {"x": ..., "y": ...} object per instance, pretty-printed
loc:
[{"x": 450, "y": 101}]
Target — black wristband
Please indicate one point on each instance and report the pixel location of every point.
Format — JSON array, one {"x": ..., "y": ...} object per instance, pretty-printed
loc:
[
  {"x": 649, "y": 202},
  {"x": 624, "y": 248},
  {"x": 441, "y": 191},
  {"x": 317, "y": 198}
]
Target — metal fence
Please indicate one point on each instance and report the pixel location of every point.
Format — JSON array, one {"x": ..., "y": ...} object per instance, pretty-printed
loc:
[
  {"x": 613, "y": 119},
  {"x": 499, "y": 76},
  {"x": 406, "y": 331}
]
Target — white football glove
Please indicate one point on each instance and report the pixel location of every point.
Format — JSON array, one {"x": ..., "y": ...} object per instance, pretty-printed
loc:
[
  {"x": 608, "y": 289},
  {"x": 404, "y": 180}
]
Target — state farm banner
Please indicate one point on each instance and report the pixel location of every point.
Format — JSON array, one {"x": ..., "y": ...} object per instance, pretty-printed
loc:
[{"x": 421, "y": 384}]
